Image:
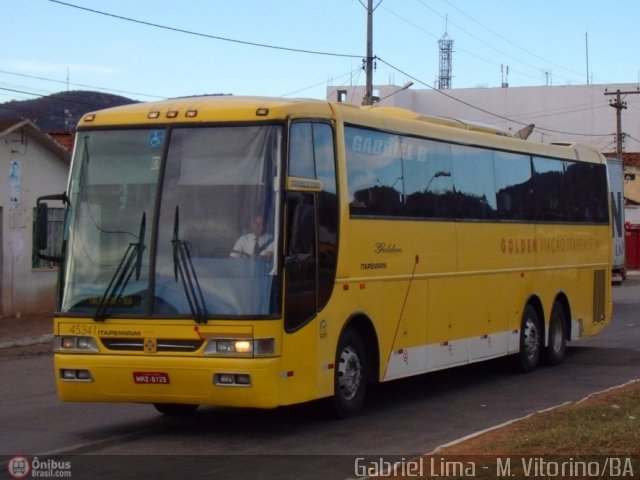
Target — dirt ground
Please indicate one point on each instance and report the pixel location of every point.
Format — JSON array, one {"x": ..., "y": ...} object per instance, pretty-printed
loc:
[
  {"x": 25, "y": 327},
  {"x": 25, "y": 335},
  {"x": 481, "y": 444}
]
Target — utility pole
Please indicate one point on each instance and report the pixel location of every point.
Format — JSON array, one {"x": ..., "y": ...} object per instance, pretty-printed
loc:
[
  {"x": 619, "y": 105},
  {"x": 368, "y": 62},
  {"x": 586, "y": 46}
]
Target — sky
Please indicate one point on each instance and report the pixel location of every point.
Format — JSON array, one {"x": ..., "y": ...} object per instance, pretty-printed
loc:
[{"x": 155, "y": 49}]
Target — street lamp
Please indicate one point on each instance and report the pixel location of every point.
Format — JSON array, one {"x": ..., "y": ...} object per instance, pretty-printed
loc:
[
  {"x": 440, "y": 173},
  {"x": 403, "y": 87}
]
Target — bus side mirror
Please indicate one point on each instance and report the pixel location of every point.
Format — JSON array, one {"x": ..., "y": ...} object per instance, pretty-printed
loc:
[
  {"x": 42, "y": 215},
  {"x": 42, "y": 226}
]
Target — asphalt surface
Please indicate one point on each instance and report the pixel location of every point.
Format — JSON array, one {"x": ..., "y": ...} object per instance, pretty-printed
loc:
[{"x": 412, "y": 416}]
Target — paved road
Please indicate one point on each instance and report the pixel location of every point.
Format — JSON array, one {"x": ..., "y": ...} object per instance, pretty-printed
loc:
[{"x": 401, "y": 419}]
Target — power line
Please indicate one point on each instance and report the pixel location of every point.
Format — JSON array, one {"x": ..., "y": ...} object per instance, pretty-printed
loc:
[
  {"x": 632, "y": 137},
  {"x": 513, "y": 43},
  {"x": 22, "y": 91},
  {"x": 17, "y": 86},
  {"x": 296, "y": 50},
  {"x": 502, "y": 117},
  {"x": 350, "y": 73},
  {"x": 475, "y": 37},
  {"x": 35, "y": 77},
  {"x": 205, "y": 35},
  {"x": 560, "y": 111},
  {"x": 458, "y": 48},
  {"x": 619, "y": 105},
  {"x": 55, "y": 99}
]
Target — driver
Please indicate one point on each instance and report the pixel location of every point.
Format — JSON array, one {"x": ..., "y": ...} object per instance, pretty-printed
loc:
[{"x": 256, "y": 243}]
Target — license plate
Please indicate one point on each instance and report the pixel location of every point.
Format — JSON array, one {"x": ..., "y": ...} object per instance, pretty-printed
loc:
[{"x": 153, "y": 378}]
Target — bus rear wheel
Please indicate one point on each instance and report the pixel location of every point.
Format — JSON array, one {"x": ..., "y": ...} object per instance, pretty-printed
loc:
[
  {"x": 350, "y": 378},
  {"x": 530, "y": 340},
  {"x": 175, "y": 409},
  {"x": 556, "y": 349}
]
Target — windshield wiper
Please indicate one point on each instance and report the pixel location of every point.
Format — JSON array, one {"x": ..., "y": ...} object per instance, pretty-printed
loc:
[
  {"x": 183, "y": 267},
  {"x": 131, "y": 261}
]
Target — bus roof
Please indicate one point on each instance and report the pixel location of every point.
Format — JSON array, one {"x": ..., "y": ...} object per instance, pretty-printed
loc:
[
  {"x": 214, "y": 108},
  {"x": 445, "y": 121},
  {"x": 225, "y": 108}
]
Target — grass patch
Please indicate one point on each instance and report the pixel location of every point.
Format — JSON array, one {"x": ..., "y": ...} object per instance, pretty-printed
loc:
[
  {"x": 603, "y": 424},
  {"x": 598, "y": 437}
]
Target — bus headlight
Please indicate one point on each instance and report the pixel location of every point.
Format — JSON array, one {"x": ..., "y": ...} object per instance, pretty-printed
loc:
[
  {"x": 69, "y": 343},
  {"x": 241, "y": 347},
  {"x": 75, "y": 375},
  {"x": 232, "y": 379}
]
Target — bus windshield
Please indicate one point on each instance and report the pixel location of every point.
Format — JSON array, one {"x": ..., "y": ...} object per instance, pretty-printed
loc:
[{"x": 179, "y": 221}]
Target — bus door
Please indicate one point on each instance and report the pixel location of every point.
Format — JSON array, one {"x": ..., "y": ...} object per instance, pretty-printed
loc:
[
  {"x": 311, "y": 222},
  {"x": 301, "y": 293}
]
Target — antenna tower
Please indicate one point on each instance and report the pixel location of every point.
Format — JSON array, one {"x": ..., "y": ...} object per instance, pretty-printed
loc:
[{"x": 445, "y": 45}]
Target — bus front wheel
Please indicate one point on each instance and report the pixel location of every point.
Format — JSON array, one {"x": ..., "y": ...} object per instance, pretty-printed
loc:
[
  {"x": 350, "y": 380},
  {"x": 530, "y": 340}
]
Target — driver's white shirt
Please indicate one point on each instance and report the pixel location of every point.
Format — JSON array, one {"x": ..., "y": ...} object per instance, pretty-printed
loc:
[{"x": 246, "y": 244}]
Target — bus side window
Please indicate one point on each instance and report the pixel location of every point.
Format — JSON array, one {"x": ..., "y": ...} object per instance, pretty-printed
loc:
[
  {"x": 300, "y": 260},
  {"x": 301, "y": 153},
  {"x": 302, "y": 230}
]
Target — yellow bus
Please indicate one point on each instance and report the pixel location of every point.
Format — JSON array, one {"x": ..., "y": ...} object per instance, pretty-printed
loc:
[{"x": 253, "y": 252}]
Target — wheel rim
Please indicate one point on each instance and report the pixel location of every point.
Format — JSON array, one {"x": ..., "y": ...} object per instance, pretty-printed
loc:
[
  {"x": 349, "y": 373},
  {"x": 531, "y": 339}
]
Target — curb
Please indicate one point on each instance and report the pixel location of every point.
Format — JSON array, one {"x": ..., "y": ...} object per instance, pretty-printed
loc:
[
  {"x": 23, "y": 342},
  {"x": 515, "y": 420}
]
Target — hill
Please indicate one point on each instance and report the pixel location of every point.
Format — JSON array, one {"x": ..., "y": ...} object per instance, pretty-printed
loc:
[{"x": 61, "y": 111}]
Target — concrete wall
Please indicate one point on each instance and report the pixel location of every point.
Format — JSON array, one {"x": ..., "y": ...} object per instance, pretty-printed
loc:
[
  {"x": 27, "y": 170},
  {"x": 559, "y": 112}
]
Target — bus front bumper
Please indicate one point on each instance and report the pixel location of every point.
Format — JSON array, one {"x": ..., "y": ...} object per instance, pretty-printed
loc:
[{"x": 235, "y": 382}]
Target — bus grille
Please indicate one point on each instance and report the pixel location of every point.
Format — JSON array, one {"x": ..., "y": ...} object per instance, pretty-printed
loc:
[
  {"x": 599, "y": 279},
  {"x": 162, "y": 345}
]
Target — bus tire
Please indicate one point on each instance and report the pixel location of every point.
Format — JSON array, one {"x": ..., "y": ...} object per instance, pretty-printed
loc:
[
  {"x": 350, "y": 377},
  {"x": 175, "y": 409},
  {"x": 530, "y": 340},
  {"x": 556, "y": 349}
]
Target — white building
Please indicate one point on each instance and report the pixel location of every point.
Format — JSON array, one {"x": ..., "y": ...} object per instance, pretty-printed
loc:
[
  {"x": 580, "y": 113},
  {"x": 32, "y": 164}
]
